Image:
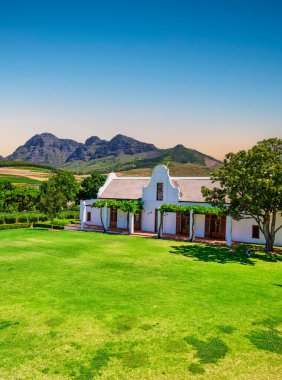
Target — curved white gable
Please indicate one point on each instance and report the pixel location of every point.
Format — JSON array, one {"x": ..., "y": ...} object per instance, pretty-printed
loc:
[{"x": 170, "y": 192}]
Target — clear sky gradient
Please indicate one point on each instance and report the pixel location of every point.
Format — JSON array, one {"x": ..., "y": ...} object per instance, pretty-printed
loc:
[{"x": 203, "y": 73}]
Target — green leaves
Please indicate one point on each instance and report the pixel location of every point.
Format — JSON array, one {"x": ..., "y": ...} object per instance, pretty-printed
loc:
[
  {"x": 128, "y": 206},
  {"x": 251, "y": 182},
  {"x": 165, "y": 208},
  {"x": 90, "y": 186}
]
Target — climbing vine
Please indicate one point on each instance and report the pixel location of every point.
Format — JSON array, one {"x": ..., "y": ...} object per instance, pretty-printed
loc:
[
  {"x": 166, "y": 208},
  {"x": 127, "y": 206},
  {"x": 130, "y": 206}
]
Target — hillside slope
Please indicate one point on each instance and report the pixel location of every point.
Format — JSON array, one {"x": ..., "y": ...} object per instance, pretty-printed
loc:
[{"x": 120, "y": 154}]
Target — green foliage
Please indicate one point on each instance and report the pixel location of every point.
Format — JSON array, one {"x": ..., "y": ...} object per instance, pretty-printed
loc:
[
  {"x": 19, "y": 179},
  {"x": 65, "y": 183},
  {"x": 68, "y": 214},
  {"x": 13, "y": 226},
  {"x": 19, "y": 199},
  {"x": 49, "y": 225},
  {"x": 165, "y": 208},
  {"x": 74, "y": 207},
  {"x": 17, "y": 217},
  {"x": 26, "y": 164},
  {"x": 90, "y": 186},
  {"x": 251, "y": 181},
  {"x": 6, "y": 185},
  {"x": 129, "y": 206},
  {"x": 52, "y": 200}
]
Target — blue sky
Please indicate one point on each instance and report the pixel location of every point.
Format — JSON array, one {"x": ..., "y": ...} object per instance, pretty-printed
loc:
[{"x": 207, "y": 74}]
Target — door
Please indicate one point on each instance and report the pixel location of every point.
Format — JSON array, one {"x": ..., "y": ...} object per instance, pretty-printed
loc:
[
  {"x": 113, "y": 218},
  {"x": 137, "y": 221},
  {"x": 182, "y": 223},
  {"x": 215, "y": 226}
]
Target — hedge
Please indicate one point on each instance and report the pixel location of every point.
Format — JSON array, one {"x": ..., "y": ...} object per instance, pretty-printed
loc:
[
  {"x": 25, "y": 217},
  {"x": 48, "y": 225},
  {"x": 14, "y": 225}
]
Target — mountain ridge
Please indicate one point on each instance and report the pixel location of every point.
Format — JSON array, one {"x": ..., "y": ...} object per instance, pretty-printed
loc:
[{"x": 119, "y": 153}]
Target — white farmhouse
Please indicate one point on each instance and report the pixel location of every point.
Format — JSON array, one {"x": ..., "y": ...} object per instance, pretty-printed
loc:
[{"x": 163, "y": 189}]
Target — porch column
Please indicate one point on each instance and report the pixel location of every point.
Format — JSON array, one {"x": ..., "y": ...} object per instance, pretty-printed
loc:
[
  {"x": 160, "y": 231},
  {"x": 131, "y": 223},
  {"x": 105, "y": 217},
  {"x": 191, "y": 229},
  {"x": 82, "y": 213},
  {"x": 228, "y": 234}
]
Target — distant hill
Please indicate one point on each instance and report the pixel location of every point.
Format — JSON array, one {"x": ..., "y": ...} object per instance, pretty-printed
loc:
[
  {"x": 95, "y": 148},
  {"x": 120, "y": 154},
  {"x": 45, "y": 149},
  {"x": 1, "y": 158}
]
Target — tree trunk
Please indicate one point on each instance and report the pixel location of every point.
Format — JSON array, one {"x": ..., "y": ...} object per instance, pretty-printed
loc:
[
  {"x": 160, "y": 227},
  {"x": 102, "y": 222},
  {"x": 269, "y": 232},
  {"x": 191, "y": 239}
]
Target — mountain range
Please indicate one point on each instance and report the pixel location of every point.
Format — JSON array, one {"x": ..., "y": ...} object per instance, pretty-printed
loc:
[{"x": 119, "y": 153}]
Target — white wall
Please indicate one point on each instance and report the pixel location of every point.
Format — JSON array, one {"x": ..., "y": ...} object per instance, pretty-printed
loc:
[
  {"x": 242, "y": 231},
  {"x": 200, "y": 226},
  {"x": 148, "y": 217},
  {"x": 169, "y": 226},
  {"x": 149, "y": 197},
  {"x": 121, "y": 219}
]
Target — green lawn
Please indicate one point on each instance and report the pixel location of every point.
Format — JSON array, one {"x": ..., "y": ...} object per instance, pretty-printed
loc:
[{"x": 78, "y": 305}]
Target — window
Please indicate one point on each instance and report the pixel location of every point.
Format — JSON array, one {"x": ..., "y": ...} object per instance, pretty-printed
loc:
[
  {"x": 160, "y": 191},
  {"x": 255, "y": 232},
  {"x": 88, "y": 217}
]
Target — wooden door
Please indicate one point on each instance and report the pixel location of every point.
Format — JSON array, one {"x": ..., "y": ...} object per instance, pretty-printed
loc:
[
  {"x": 207, "y": 225},
  {"x": 178, "y": 223},
  {"x": 215, "y": 226},
  {"x": 182, "y": 223},
  {"x": 113, "y": 218},
  {"x": 137, "y": 221},
  {"x": 185, "y": 224}
]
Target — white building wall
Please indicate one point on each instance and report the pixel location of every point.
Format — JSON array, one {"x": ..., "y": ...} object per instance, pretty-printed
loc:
[
  {"x": 169, "y": 226},
  {"x": 242, "y": 231},
  {"x": 96, "y": 219},
  {"x": 121, "y": 219},
  {"x": 149, "y": 197},
  {"x": 148, "y": 218},
  {"x": 199, "y": 226}
]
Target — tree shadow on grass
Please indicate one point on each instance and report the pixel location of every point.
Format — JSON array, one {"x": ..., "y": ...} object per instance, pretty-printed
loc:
[
  {"x": 222, "y": 254},
  {"x": 268, "y": 338},
  {"x": 208, "y": 351}
]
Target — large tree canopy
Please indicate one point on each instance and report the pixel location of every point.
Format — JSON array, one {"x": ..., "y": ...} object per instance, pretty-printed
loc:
[
  {"x": 65, "y": 183},
  {"x": 90, "y": 186},
  {"x": 251, "y": 184}
]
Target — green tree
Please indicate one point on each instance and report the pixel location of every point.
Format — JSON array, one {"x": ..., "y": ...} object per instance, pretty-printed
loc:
[
  {"x": 6, "y": 185},
  {"x": 90, "y": 185},
  {"x": 65, "y": 183},
  {"x": 251, "y": 182},
  {"x": 18, "y": 199},
  {"x": 52, "y": 201}
]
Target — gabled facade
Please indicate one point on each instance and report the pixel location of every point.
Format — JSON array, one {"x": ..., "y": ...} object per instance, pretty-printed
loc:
[{"x": 160, "y": 189}]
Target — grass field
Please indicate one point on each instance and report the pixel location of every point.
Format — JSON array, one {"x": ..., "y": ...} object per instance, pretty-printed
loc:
[
  {"x": 77, "y": 305},
  {"x": 19, "y": 180}
]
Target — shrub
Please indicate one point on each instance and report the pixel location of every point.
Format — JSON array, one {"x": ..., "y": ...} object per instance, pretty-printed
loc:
[{"x": 14, "y": 225}]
